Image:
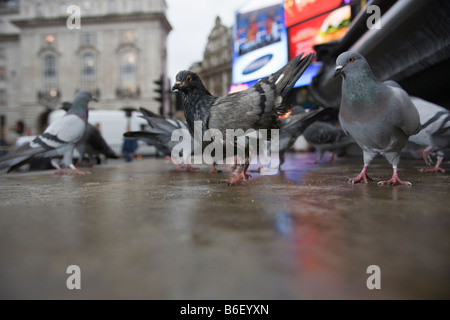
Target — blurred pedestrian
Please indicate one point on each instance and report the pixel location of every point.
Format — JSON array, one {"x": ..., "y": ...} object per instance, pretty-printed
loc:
[{"x": 129, "y": 147}]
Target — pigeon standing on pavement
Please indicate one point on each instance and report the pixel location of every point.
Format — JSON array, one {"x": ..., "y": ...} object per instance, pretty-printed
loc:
[
  {"x": 59, "y": 139},
  {"x": 434, "y": 133},
  {"x": 323, "y": 137},
  {"x": 160, "y": 135},
  {"x": 92, "y": 144},
  {"x": 292, "y": 127},
  {"x": 256, "y": 108},
  {"x": 378, "y": 116}
]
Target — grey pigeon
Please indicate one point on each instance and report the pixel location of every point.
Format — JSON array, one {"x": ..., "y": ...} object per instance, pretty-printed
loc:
[
  {"x": 59, "y": 139},
  {"x": 160, "y": 135},
  {"x": 92, "y": 144},
  {"x": 324, "y": 136},
  {"x": 434, "y": 133},
  {"x": 378, "y": 116},
  {"x": 257, "y": 107},
  {"x": 294, "y": 126}
]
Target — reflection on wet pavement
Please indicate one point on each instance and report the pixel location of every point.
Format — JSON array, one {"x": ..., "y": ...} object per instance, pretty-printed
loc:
[{"x": 143, "y": 230}]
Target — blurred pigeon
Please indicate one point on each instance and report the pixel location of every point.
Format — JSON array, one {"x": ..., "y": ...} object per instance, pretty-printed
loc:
[
  {"x": 256, "y": 108},
  {"x": 323, "y": 137},
  {"x": 292, "y": 127},
  {"x": 59, "y": 139},
  {"x": 434, "y": 133},
  {"x": 378, "y": 116},
  {"x": 92, "y": 143},
  {"x": 160, "y": 135}
]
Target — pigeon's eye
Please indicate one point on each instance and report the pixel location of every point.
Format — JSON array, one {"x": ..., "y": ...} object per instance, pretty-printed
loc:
[
  {"x": 351, "y": 59},
  {"x": 189, "y": 78}
]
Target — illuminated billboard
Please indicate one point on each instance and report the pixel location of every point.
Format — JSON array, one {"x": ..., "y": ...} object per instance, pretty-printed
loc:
[{"x": 259, "y": 41}]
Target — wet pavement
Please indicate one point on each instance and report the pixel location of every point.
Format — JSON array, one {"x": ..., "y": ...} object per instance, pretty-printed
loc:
[{"x": 143, "y": 230}]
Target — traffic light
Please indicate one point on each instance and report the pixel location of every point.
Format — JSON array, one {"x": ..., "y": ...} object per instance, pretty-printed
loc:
[{"x": 159, "y": 89}]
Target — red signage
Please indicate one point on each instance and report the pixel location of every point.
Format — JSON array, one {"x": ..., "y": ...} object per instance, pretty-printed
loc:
[{"x": 301, "y": 10}]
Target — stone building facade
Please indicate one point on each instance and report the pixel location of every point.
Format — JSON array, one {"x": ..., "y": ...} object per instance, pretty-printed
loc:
[
  {"x": 117, "y": 52},
  {"x": 215, "y": 69}
]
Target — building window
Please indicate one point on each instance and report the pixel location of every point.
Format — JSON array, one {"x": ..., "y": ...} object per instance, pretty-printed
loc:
[
  {"x": 2, "y": 97},
  {"x": 128, "y": 72},
  {"x": 137, "y": 5},
  {"x": 88, "y": 38},
  {"x": 39, "y": 10},
  {"x": 88, "y": 72},
  {"x": 112, "y": 6},
  {"x": 49, "y": 72}
]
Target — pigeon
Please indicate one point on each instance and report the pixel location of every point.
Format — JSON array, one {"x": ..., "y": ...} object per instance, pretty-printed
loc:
[
  {"x": 92, "y": 144},
  {"x": 257, "y": 107},
  {"x": 292, "y": 127},
  {"x": 378, "y": 116},
  {"x": 324, "y": 136},
  {"x": 434, "y": 133},
  {"x": 160, "y": 136},
  {"x": 59, "y": 139}
]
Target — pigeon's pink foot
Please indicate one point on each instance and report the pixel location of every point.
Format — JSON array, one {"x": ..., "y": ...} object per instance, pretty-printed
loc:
[
  {"x": 395, "y": 181},
  {"x": 435, "y": 169},
  {"x": 257, "y": 170},
  {"x": 426, "y": 154},
  {"x": 189, "y": 168},
  {"x": 237, "y": 178},
  {"x": 362, "y": 176}
]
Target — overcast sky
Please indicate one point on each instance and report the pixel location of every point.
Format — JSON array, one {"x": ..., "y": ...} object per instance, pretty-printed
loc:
[{"x": 192, "y": 21}]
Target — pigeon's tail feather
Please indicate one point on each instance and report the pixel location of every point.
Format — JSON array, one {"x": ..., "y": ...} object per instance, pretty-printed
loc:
[
  {"x": 289, "y": 75},
  {"x": 302, "y": 121},
  {"x": 149, "y": 113},
  {"x": 149, "y": 137},
  {"x": 109, "y": 153},
  {"x": 18, "y": 157}
]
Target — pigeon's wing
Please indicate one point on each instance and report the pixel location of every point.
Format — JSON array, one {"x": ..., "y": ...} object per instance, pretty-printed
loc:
[
  {"x": 252, "y": 108},
  {"x": 68, "y": 129},
  {"x": 149, "y": 113},
  {"x": 260, "y": 105},
  {"x": 402, "y": 111}
]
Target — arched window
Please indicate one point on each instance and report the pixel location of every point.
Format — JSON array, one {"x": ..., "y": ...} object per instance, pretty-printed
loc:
[
  {"x": 50, "y": 74},
  {"x": 88, "y": 72},
  {"x": 128, "y": 74}
]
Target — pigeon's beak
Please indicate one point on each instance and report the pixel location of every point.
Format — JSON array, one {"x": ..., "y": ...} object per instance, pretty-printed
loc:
[
  {"x": 177, "y": 85},
  {"x": 337, "y": 71}
]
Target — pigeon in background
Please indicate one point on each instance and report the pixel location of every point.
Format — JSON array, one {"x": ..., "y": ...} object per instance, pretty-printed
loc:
[
  {"x": 92, "y": 144},
  {"x": 160, "y": 135},
  {"x": 324, "y": 136},
  {"x": 434, "y": 133},
  {"x": 378, "y": 116},
  {"x": 59, "y": 139},
  {"x": 257, "y": 107},
  {"x": 292, "y": 127}
]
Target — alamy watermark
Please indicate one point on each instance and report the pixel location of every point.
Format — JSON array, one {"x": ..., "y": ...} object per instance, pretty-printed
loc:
[
  {"x": 373, "y": 21},
  {"x": 374, "y": 280},
  {"x": 209, "y": 147},
  {"x": 74, "y": 280},
  {"x": 74, "y": 20}
]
